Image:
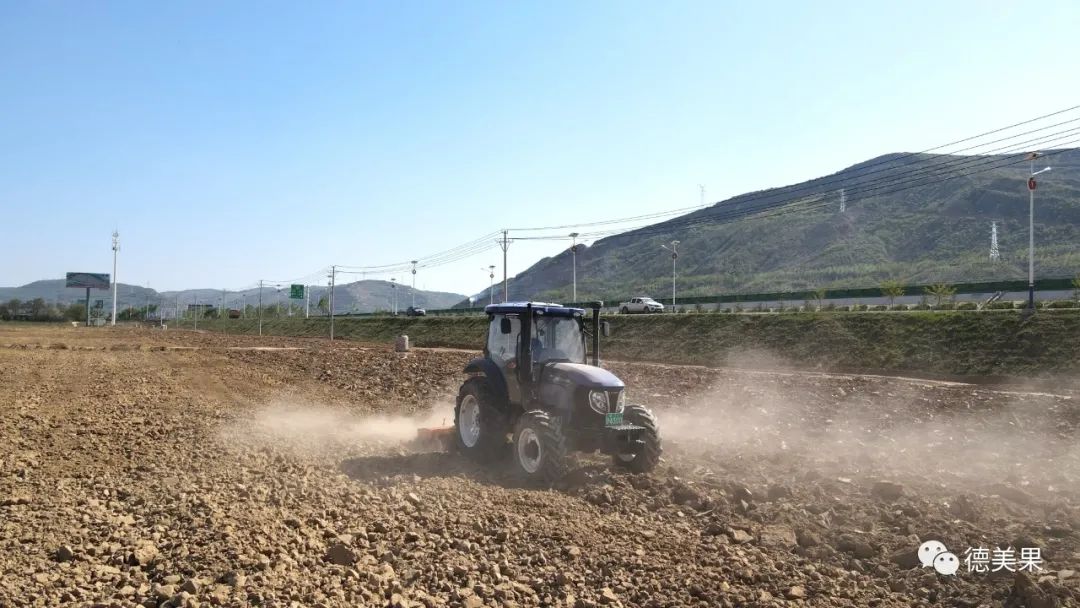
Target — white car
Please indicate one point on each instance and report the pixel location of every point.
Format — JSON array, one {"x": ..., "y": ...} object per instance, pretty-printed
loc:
[{"x": 641, "y": 305}]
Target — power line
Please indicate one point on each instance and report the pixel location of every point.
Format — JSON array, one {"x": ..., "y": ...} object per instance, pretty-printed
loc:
[
  {"x": 777, "y": 197},
  {"x": 933, "y": 166},
  {"x": 788, "y": 205},
  {"x": 890, "y": 179},
  {"x": 951, "y": 163},
  {"x": 844, "y": 177},
  {"x": 470, "y": 246},
  {"x": 791, "y": 207},
  {"x": 938, "y": 167}
]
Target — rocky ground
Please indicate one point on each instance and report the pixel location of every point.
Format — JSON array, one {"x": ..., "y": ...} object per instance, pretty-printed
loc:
[{"x": 150, "y": 468}]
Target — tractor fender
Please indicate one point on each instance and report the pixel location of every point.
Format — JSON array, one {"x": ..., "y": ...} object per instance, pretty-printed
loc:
[{"x": 487, "y": 368}]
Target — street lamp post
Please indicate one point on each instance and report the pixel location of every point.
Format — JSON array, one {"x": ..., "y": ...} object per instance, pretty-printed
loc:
[
  {"x": 115, "y": 249},
  {"x": 1031, "y": 228},
  {"x": 674, "y": 255},
  {"x": 330, "y": 304},
  {"x": 573, "y": 252},
  {"x": 414, "y": 283},
  {"x": 491, "y": 284}
]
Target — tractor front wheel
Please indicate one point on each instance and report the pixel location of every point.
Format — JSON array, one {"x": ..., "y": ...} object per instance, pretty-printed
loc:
[
  {"x": 540, "y": 448},
  {"x": 480, "y": 428},
  {"x": 649, "y": 456}
]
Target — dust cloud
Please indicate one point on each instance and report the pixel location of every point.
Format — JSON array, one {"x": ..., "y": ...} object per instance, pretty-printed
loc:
[
  {"x": 317, "y": 429},
  {"x": 853, "y": 427}
]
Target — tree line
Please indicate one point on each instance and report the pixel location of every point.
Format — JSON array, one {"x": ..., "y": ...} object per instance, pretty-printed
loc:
[{"x": 41, "y": 311}]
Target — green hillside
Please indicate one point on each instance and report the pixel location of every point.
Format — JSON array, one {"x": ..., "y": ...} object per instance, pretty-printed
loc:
[{"x": 913, "y": 225}]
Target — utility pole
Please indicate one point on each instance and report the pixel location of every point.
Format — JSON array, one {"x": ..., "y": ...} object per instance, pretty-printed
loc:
[
  {"x": 505, "y": 243},
  {"x": 1031, "y": 228},
  {"x": 307, "y": 301},
  {"x": 115, "y": 249},
  {"x": 995, "y": 255},
  {"x": 414, "y": 283},
  {"x": 674, "y": 256},
  {"x": 195, "y": 316},
  {"x": 260, "y": 306},
  {"x": 222, "y": 311},
  {"x": 333, "y": 279},
  {"x": 702, "y": 187},
  {"x": 243, "y": 303},
  {"x": 573, "y": 252},
  {"x": 393, "y": 291}
]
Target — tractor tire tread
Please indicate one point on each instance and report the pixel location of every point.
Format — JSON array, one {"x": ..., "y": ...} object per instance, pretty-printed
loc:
[
  {"x": 556, "y": 462},
  {"x": 649, "y": 457},
  {"x": 492, "y": 443}
]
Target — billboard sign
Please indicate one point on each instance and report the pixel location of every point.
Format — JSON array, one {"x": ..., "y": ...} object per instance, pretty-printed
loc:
[
  {"x": 296, "y": 292},
  {"x": 88, "y": 280}
]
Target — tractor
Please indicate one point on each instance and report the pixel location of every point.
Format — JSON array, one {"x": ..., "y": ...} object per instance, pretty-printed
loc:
[{"x": 534, "y": 396}]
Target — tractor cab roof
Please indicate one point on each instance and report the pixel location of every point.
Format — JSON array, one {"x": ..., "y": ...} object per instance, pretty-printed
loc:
[{"x": 544, "y": 308}]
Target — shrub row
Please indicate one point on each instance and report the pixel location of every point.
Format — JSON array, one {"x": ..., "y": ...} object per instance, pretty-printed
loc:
[{"x": 1055, "y": 304}]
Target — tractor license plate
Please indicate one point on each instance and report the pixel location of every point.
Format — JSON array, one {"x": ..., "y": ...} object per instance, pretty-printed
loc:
[{"x": 614, "y": 419}]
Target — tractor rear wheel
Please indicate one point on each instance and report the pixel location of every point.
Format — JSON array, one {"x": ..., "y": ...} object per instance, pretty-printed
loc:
[
  {"x": 480, "y": 428},
  {"x": 540, "y": 448},
  {"x": 649, "y": 456}
]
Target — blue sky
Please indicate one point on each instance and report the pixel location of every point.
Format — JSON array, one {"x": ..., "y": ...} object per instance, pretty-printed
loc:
[{"x": 235, "y": 141}]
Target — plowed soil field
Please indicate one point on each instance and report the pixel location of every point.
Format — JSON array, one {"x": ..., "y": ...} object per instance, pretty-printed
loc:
[{"x": 165, "y": 468}]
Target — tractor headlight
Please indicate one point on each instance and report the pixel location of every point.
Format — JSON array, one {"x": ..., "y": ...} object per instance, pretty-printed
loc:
[
  {"x": 598, "y": 401},
  {"x": 622, "y": 402}
]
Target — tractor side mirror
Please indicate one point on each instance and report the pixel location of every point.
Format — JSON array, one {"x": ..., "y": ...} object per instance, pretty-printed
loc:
[
  {"x": 504, "y": 326},
  {"x": 605, "y": 328}
]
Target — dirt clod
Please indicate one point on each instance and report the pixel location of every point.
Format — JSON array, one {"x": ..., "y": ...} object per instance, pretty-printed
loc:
[
  {"x": 65, "y": 554},
  {"x": 341, "y": 555},
  {"x": 778, "y": 536},
  {"x": 887, "y": 490}
]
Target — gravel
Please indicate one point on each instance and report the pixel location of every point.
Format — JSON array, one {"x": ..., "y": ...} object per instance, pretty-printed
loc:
[{"x": 148, "y": 468}]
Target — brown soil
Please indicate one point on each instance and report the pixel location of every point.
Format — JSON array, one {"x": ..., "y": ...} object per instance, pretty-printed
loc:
[{"x": 164, "y": 468}]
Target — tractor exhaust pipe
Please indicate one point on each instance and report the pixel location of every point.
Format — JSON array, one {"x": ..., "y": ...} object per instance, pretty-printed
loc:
[{"x": 596, "y": 333}]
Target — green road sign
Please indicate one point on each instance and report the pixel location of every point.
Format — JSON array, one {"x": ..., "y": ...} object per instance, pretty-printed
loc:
[{"x": 296, "y": 292}]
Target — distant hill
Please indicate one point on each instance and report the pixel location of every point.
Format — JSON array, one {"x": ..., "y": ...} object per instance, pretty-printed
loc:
[
  {"x": 919, "y": 230},
  {"x": 360, "y": 296}
]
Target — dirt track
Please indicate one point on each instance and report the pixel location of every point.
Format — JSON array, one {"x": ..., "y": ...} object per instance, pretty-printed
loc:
[{"x": 166, "y": 468}]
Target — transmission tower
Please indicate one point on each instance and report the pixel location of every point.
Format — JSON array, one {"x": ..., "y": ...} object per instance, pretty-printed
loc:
[
  {"x": 995, "y": 255},
  {"x": 843, "y": 200}
]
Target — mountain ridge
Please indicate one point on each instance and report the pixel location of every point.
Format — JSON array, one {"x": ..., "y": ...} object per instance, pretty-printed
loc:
[
  {"x": 358, "y": 296},
  {"x": 917, "y": 227}
]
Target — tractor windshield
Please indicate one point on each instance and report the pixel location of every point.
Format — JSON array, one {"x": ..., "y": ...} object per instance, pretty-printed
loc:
[{"x": 558, "y": 339}]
